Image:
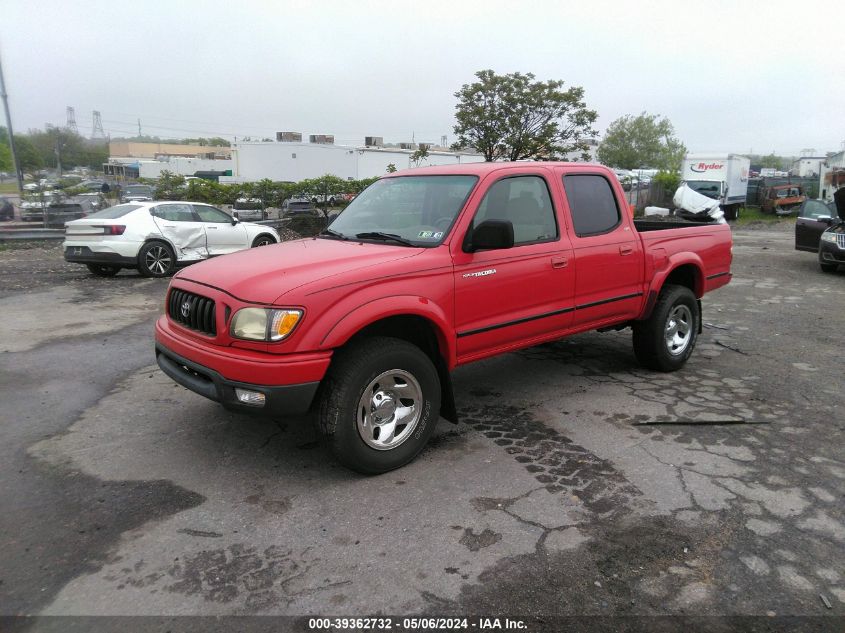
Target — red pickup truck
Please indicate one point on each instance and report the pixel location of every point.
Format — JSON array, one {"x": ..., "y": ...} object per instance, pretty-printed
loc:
[{"x": 426, "y": 270}]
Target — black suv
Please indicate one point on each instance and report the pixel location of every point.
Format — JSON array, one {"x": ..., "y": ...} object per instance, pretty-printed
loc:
[{"x": 820, "y": 228}]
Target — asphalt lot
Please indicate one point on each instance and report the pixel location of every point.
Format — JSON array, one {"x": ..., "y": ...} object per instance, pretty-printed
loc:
[{"x": 576, "y": 484}]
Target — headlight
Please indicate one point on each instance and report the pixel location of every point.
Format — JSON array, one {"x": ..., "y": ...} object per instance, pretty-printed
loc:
[
  {"x": 264, "y": 324},
  {"x": 828, "y": 237}
]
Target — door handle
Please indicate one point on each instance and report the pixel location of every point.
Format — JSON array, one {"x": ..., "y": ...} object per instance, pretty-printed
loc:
[
  {"x": 559, "y": 262},
  {"x": 626, "y": 250},
  {"x": 211, "y": 227}
]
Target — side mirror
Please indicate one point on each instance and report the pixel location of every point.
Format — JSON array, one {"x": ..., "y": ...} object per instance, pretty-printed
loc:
[
  {"x": 490, "y": 235},
  {"x": 235, "y": 221},
  {"x": 825, "y": 218}
]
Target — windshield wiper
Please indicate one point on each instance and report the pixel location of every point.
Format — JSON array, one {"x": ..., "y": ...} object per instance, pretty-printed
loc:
[
  {"x": 378, "y": 235},
  {"x": 331, "y": 233}
]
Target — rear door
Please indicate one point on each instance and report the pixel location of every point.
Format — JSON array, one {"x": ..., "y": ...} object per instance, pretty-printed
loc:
[
  {"x": 182, "y": 228},
  {"x": 223, "y": 236},
  {"x": 607, "y": 251},
  {"x": 508, "y": 296},
  {"x": 808, "y": 228}
]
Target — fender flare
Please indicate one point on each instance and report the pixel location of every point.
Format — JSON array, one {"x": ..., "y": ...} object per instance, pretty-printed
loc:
[
  {"x": 397, "y": 305},
  {"x": 659, "y": 279}
]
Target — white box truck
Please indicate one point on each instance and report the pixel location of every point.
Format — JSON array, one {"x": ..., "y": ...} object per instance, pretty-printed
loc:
[{"x": 723, "y": 177}]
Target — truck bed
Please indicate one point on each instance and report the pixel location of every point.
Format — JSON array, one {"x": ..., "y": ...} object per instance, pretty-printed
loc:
[{"x": 643, "y": 226}]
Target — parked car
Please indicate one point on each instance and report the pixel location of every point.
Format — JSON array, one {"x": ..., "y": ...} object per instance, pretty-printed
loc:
[
  {"x": 293, "y": 206},
  {"x": 783, "y": 199},
  {"x": 93, "y": 185},
  {"x": 7, "y": 210},
  {"x": 248, "y": 209},
  {"x": 61, "y": 208},
  {"x": 137, "y": 193},
  {"x": 820, "y": 228},
  {"x": 32, "y": 204},
  {"x": 426, "y": 270},
  {"x": 157, "y": 237}
]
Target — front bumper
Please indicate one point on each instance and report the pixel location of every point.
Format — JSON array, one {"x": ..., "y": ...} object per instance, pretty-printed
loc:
[
  {"x": 830, "y": 253},
  {"x": 288, "y": 381},
  {"x": 283, "y": 400}
]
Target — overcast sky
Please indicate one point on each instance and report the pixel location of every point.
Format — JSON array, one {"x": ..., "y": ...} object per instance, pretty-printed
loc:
[{"x": 731, "y": 76}]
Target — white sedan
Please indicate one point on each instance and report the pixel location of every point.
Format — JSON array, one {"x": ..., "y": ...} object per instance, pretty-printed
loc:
[{"x": 157, "y": 237}]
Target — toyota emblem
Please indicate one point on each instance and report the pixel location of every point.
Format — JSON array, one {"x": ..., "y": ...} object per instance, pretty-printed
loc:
[{"x": 186, "y": 309}]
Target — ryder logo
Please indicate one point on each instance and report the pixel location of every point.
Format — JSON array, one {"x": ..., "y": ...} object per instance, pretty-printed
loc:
[{"x": 700, "y": 168}]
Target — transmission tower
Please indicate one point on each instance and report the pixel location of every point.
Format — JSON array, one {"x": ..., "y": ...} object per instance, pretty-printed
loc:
[
  {"x": 97, "y": 131},
  {"x": 71, "y": 120}
]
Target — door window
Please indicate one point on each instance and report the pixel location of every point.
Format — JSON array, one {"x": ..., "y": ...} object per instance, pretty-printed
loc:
[
  {"x": 591, "y": 203},
  {"x": 813, "y": 209},
  {"x": 525, "y": 202},
  {"x": 174, "y": 213},
  {"x": 212, "y": 214}
]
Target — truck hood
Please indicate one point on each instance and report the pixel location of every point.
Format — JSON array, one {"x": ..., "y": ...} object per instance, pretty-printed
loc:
[{"x": 264, "y": 275}]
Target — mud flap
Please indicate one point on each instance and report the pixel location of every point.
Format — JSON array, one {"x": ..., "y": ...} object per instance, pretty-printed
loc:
[{"x": 448, "y": 409}]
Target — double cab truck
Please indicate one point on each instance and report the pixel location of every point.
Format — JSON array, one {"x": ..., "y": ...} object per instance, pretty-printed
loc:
[
  {"x": 426, "y": 270},
  {"x": 723, "y": 177}
]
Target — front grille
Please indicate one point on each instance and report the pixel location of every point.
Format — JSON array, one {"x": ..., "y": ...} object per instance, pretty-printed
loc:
[
  {"x": 840, "y": 240},
  {"x": 192, "y": 311}
]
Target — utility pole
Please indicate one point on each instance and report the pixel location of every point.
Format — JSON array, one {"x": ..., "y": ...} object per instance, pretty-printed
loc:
[
  {"x": 139, "y": 127},
  {"x": 5, "y": 99}
]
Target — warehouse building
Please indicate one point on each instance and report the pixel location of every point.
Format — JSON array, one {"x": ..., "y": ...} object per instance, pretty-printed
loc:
[{"x": 291, "y": 159}]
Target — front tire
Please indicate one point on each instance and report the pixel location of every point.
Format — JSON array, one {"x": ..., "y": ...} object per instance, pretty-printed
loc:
[
  {"x": 664, "y": 341},
  {"x": 103, "y": 270},
  {"x": 262, "y": 240},
  {"x": 156, "y": 259},
  {"x": 379, "y": 404}
]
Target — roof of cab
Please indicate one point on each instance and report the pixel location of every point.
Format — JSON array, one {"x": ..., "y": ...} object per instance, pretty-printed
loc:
[{"x": 480, "y": 169}]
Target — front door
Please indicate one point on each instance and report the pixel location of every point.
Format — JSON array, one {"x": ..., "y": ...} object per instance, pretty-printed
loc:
[
  {"x": 808, "y": 228},
  {"x": 182, "y": 228},
  {"x": 223, "y": 236},
  {"x": 508, "y": 296}
]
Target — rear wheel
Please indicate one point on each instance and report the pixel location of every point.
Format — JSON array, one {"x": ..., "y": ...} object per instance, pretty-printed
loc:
[
  {"x": 379, "y": 404},
  {"x": 732, "y": 212},
  {"x": 665, "y": 340},
  {"x": 103, "y": 270},
  {"x": 156, "y": 259}
]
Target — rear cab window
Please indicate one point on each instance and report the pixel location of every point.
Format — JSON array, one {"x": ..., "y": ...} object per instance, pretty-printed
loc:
[{"x": 592, "y": 204}]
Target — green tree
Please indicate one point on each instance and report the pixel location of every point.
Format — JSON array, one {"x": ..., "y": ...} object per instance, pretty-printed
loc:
[
  {"x": 6, "y": 163},
  {"x": 647, "y": 140},
  {"x": 420, "y": 155},
  {"x": 391, "y": 168},
  {"x": 515, "y": 117},
  {"x": 169, "y": 186},
  {"x": 322, "y": 188},
  {"x": 772, "y": 161},
  {"x": 28, "y": 156}
]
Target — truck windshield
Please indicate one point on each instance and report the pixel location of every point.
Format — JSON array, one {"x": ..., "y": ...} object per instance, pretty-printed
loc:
[
  {"x": 418, "y": 209},
  {"x": 707, "y": 188}
]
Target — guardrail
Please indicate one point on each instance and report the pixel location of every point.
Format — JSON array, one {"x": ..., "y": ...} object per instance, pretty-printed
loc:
[{"x": 31, "y": 234}]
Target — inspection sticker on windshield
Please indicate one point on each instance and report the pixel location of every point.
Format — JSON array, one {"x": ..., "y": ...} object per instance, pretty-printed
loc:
[{"x": 430, "y": 235}]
